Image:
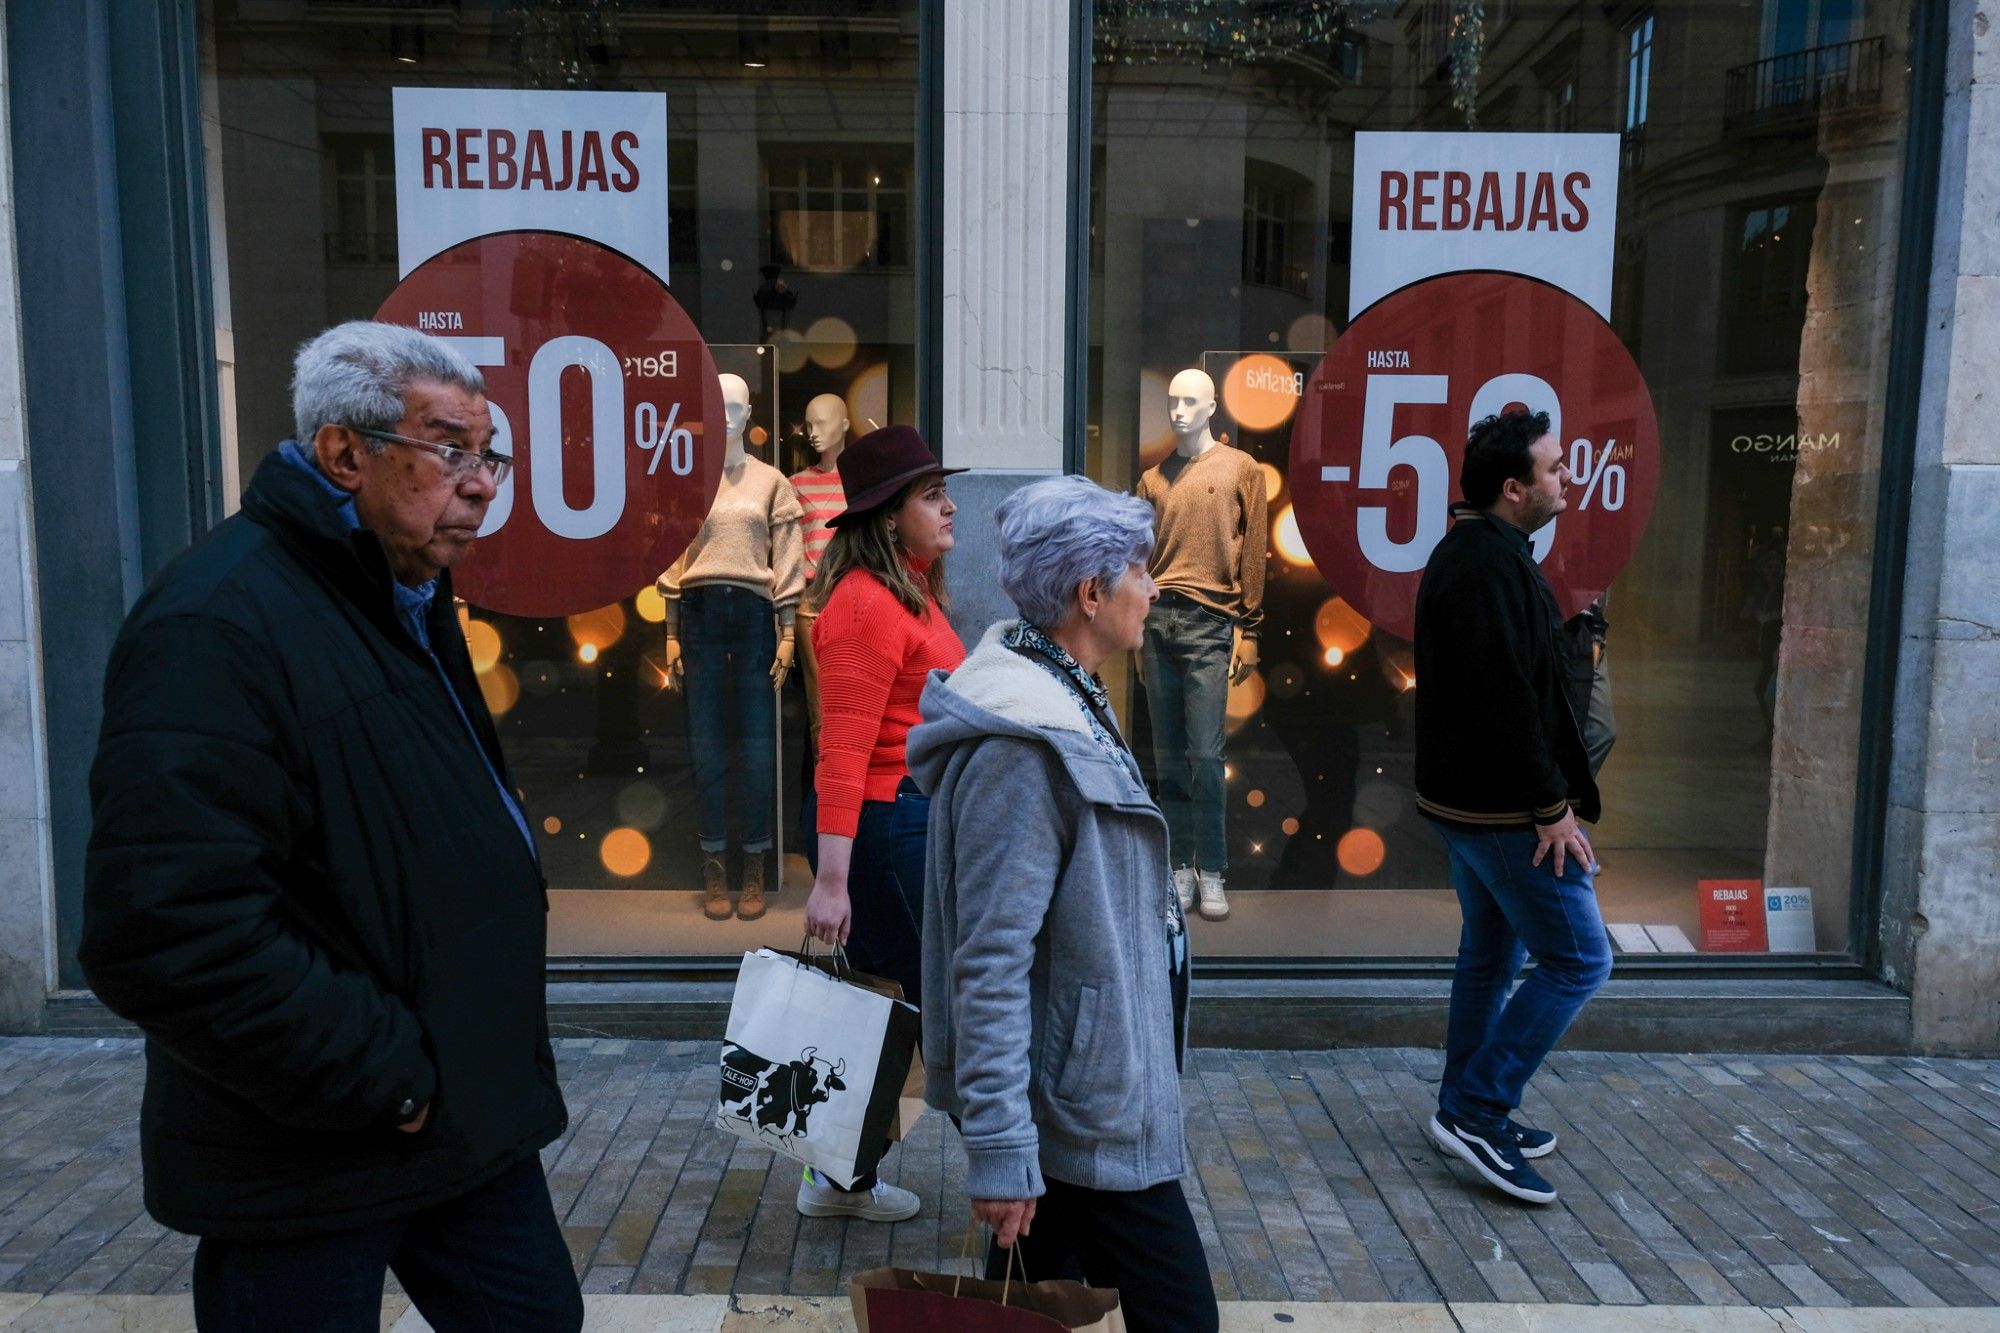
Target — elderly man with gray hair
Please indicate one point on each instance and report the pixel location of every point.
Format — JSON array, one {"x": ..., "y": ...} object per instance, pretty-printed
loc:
[
  {"x": 312, "y": 887},
  {"x": 1054, "y": 951}
]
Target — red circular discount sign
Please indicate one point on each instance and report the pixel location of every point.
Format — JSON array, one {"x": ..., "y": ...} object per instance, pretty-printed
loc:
[
  {"x": 1381, "y": 431},
  {"x": 603, "y": 392}
]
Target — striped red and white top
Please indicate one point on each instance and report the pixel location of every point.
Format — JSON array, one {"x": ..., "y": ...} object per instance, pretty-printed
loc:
[{"x": 822, "y": 498}]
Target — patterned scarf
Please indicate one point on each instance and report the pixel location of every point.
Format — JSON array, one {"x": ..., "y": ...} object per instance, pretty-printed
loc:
[{"x": 1055, "y": 659}]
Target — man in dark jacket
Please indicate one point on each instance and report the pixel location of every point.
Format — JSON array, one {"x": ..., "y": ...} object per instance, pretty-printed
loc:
[
  {"x": 311, "y": 887},
  {"x": 1503, "y": 774}
]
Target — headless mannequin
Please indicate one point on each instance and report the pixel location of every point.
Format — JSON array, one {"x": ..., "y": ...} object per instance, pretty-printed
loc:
[
  {"x": 1191, "y": 410},
  {"x": 736, "y": 413}
]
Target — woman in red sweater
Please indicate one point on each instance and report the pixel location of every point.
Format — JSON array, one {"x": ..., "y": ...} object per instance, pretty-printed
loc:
[{"x": 880, "y": 631}]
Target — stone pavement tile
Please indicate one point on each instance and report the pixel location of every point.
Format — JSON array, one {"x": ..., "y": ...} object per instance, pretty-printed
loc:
[
  {"x": 1357, "y": 1317},
  {"x": 797, "y": 1314},
  {"x": 1592, "y": 1319},
  {"x": 14, "y": 1304},
  {"x": 1811, "y": 1290},
  {"x": 1799, "y": 1320},
  {"x": 107, "y": 1314}
]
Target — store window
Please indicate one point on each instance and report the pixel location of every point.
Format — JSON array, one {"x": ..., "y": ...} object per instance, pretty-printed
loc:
[
  {"x": 1735, "y": 275},
  {"x": 783, "y": 234}
]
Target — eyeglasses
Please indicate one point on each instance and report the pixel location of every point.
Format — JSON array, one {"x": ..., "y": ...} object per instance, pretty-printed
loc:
[{"x": 459, "y": 464}]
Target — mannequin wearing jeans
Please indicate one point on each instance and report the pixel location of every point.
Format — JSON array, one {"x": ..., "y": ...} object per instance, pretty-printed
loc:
[
  {"x": 1212, "y": 527},
  {"x": 730, "y": 601}
]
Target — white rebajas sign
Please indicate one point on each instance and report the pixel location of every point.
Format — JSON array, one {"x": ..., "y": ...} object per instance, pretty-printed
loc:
[
  {"x": 473, "y": 161},
  {"x": 1432, "y": 202}
]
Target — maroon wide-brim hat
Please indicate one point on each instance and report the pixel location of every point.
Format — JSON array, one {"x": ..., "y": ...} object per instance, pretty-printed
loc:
[{"x": 875, "y": 469}]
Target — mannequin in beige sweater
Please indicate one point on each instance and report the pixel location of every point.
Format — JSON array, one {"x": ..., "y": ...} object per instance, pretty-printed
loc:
[{"x": 744, "y": 570}]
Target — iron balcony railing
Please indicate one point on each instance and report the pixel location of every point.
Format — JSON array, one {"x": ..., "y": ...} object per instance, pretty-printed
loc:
[{"x": 1799, "y": 85}]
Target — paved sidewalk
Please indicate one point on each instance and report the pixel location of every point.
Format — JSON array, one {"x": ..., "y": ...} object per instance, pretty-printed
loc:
[{"x": 1782, "y": 1187}]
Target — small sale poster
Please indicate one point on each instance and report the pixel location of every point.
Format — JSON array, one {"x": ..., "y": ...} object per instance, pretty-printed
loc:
[{"x": 1732, "y": 915}]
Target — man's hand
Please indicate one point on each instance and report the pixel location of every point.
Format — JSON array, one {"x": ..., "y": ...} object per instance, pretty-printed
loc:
[
  {"x": 416, "y": 1125},
  {"x": 1244, "y": 661},
  {"x": 1009, "y": 1218},
  {"x": 1565, "y": 836}
]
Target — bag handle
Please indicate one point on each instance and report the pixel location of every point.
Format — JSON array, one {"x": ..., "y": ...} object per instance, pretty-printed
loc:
[
  {"x": 838, "y": 954},
  {"x": 1007, "y": 1280}
]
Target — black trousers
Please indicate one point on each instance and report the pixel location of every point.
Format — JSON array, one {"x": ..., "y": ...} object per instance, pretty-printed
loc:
[
  {"x": 1142, "y": 1242},
  {"x": 490, "y": 1260}
]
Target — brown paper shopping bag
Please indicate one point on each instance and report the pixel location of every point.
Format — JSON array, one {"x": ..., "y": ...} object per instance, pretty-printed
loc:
[{"x": 901, "y": 1300}]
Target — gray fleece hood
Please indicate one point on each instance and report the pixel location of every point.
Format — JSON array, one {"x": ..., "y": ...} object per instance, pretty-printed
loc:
[{"x": 999, "y": 692}]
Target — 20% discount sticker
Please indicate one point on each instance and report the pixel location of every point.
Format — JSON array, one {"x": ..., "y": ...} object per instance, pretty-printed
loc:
[
  {"x": 1381, "y": 428},
  {"x": 604, "y": 394}
]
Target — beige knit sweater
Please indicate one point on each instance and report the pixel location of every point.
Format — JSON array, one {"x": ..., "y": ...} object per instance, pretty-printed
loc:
[
  {"x": 1211, "y": 528},
  {"x": 750, "y": 539}
]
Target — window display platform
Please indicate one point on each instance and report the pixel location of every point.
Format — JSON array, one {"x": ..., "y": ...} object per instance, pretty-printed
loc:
[{"x": 1648, "y": 888}]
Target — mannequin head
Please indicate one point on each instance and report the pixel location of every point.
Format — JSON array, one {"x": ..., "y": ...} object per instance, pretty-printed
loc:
[
  {"x": 826, "y": 427},
  {"x": 735, "y": 407},
  {"x": 1190, "y": 408}
]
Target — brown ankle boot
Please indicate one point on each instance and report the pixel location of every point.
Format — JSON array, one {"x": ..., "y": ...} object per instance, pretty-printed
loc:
[
  {"x": 714, "y": 887},
  {"x": 750, "y": 905}
]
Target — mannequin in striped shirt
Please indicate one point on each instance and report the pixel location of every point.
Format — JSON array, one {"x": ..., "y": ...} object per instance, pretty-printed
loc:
[{"x": 821, "y": 497}]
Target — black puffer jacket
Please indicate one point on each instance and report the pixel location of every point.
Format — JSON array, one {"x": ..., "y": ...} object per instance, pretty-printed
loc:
[
  {"x": 304, "y": 886},
  {"x": 1498, "y": 739}
]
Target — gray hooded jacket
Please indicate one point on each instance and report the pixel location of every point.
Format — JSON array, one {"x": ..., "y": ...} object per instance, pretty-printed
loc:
[{"x": 1048, "y": 1018}]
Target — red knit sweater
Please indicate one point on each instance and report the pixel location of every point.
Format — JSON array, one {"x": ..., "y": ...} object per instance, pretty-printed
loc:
[{"x": 874, "y": 657}]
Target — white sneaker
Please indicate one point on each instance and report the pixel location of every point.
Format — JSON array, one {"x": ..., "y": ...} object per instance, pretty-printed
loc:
[
  {"x": 884, "y": 1203},
  {"x": 1214, "y": 903},
  {"x": 1184, "y": 888}
]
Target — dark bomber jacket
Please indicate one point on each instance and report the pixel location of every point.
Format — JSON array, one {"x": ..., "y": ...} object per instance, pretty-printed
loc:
[
  {"x": 1498, "y": 740},
  {"x": 305, "y": 888}
]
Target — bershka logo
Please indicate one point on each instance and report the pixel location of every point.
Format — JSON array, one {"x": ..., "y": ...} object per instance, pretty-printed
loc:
[
  {"x": 1270, "y": 381},
  {"x": 1510, "y": 201}
]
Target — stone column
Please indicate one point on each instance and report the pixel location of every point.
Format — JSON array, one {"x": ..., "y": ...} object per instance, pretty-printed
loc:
[
  {"x": 1005, "y": 250},
  {"x": 1941, "y": 866},
  {"x": 26, "y": 874}
]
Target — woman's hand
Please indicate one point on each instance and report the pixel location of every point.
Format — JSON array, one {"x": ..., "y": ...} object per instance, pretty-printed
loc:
[
  {"x": 1009, "y": 1218},
  {"x": 829, "y": 914}
]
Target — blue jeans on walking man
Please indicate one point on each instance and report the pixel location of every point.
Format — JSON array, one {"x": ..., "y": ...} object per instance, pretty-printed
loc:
[
  {"x": 1184, "y": 665},
  {"x": 1514, "y": 910},
  {"x": 728, "y": 641}
]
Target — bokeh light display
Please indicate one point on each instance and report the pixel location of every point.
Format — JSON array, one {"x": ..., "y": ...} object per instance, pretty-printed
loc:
[
  {"x": 625, "y": 852},
  {"x": 1361, "y": 852}
]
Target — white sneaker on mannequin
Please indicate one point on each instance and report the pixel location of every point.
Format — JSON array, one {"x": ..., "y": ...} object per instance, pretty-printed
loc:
[
  {"x": 1184, "y": 888},
  {"x": 1214, "y": 903}
]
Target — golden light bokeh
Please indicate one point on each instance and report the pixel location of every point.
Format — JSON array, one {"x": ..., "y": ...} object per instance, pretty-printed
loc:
[
  {"x": 598, "y": 629},
  {"x": 792, "y": 350},
  {"x": 1286, "y": 539},
  {"x": 1291, "y": 828},
  {"x": 758, "y": 437},
  {"x": 652, "y": 607},
  {"x": 1338, "y": 625},
  {"x": 1398, "y": 660},
  {"x": 1244, "y": 701},
  {"x": 552, "y": 826},
  {"x": 1260, "y": 392},
  {"x": 831, "y": 341},
  {"x": 1334, "y": 657},
  {"x": 868, "y": 400},
  {"x": 587, "y": 654},
  {"x": 1274, "y": 482},
  {"x": 625, "y": 851},
  {"x": 482, "y": 641},
  {"x": 1255, "y": 799},
  {"x": 1310, "y": 332},
  {"x": 501, "y": 689},
  {"x": 1361, "y": 852}
]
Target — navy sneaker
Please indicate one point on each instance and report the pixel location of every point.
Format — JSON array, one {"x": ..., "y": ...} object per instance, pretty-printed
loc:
[
  {"x": 1531, "y": 1141},
  {"x": 1494, "y": 1156}
]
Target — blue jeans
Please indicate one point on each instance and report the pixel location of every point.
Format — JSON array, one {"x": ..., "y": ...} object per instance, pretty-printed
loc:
[
  {"x": 728, "y": 641},
  {"x": 885, "y": 885},
  {"x": 491, "y": 1259},
  {"x": 1184, "y": 665},
  {"x": 885, "y": 893},
  {"x": 1514, "y": 909}
]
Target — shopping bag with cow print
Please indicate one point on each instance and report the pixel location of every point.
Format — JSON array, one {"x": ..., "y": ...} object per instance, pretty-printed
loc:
[{"x": 814, "y": 1061}]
